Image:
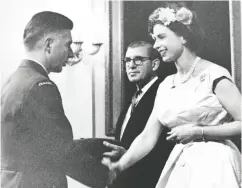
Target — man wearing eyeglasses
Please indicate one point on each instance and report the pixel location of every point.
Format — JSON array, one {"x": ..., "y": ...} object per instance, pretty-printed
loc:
[{"x": 142, "y": 62}]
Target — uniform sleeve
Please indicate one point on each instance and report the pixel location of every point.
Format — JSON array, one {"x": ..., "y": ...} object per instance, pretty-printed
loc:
[{"x": 50, "y": 135}]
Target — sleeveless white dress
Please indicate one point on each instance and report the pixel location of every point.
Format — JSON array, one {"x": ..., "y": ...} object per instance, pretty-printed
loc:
[{"x": 208, "y": 164}]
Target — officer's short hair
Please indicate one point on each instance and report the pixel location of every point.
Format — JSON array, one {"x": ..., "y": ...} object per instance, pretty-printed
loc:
[
  {"x": 153, "y": 53},
  {"x": 43, "y": 23}
]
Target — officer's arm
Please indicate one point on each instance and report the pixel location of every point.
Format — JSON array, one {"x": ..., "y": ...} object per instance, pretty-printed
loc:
[{"x": 51, "y": 130}]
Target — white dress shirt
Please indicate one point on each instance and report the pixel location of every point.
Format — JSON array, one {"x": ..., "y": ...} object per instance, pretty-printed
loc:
[{"x": 128, "y": 114}]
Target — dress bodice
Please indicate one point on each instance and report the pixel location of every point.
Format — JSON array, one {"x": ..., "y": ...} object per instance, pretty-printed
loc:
[
  {"x": 195, "y": 103},
  {"x": 192, "y": 102}
]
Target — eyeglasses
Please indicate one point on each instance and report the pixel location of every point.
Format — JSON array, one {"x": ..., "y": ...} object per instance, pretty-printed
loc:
[{"x": 138, "y": 60}]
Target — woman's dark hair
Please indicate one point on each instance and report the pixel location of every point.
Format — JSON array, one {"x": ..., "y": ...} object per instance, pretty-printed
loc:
[
  {"x": 43, "y": 23},
  {"x": 192, "y": 33}
]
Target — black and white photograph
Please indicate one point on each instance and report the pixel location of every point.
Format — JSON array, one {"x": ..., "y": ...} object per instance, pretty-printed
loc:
[{"x": 121, "y": 94}]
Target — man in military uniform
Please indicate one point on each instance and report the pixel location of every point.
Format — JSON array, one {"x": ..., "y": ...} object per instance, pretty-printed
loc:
[{"x": 36, "y": 136}]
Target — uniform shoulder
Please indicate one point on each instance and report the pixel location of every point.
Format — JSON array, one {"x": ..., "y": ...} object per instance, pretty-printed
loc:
[
  {"x": 44, "y": 89},
  {"x": 43, "y": 84}
]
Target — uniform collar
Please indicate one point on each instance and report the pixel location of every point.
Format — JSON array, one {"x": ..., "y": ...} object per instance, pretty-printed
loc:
[{"x": 37, "y": 66}]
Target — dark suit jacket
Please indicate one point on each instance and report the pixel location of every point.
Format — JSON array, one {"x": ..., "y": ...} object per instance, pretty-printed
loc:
[
  {"x": 35, "y": 133},
  {"x": 146, "y": 172}
]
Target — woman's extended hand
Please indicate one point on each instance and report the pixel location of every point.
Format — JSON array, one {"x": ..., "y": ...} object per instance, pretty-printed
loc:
[
  {"x": 114, "y": 169},
  {"x": 185, "y": 133}
]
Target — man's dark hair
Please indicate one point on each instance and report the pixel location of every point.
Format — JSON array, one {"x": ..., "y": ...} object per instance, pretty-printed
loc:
[
  {"x": 43, "y": 23},
  {"x": 153, "y": 53}
]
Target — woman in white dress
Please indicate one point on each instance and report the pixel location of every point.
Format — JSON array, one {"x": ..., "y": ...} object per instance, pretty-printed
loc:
[{"x": 201, "y": 106}]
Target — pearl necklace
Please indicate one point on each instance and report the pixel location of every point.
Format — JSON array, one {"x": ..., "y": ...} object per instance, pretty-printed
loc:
[{"x": 189, "y": 73}]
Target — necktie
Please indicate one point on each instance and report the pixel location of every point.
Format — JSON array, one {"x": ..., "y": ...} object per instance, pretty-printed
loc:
[{"x": 134, "y": 99}]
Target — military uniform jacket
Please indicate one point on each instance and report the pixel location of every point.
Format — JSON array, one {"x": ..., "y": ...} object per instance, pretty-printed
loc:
[
  {"x": 36, "y": 136},
  {"x": 146, "y": 172}
]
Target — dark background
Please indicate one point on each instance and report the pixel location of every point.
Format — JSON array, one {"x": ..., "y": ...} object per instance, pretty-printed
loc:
[{"x": 213, "y": 17}]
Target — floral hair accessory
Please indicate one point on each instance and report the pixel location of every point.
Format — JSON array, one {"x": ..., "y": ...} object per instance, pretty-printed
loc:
[{"x": 168, "y": 15}]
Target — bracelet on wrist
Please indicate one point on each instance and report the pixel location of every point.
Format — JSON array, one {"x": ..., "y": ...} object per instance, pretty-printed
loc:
[{"x": 202, "y": 134}]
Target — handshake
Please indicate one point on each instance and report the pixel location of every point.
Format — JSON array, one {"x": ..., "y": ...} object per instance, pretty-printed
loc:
[
  {"x": 94, "y": 161},
  {"x": 110, "y": 159}
]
